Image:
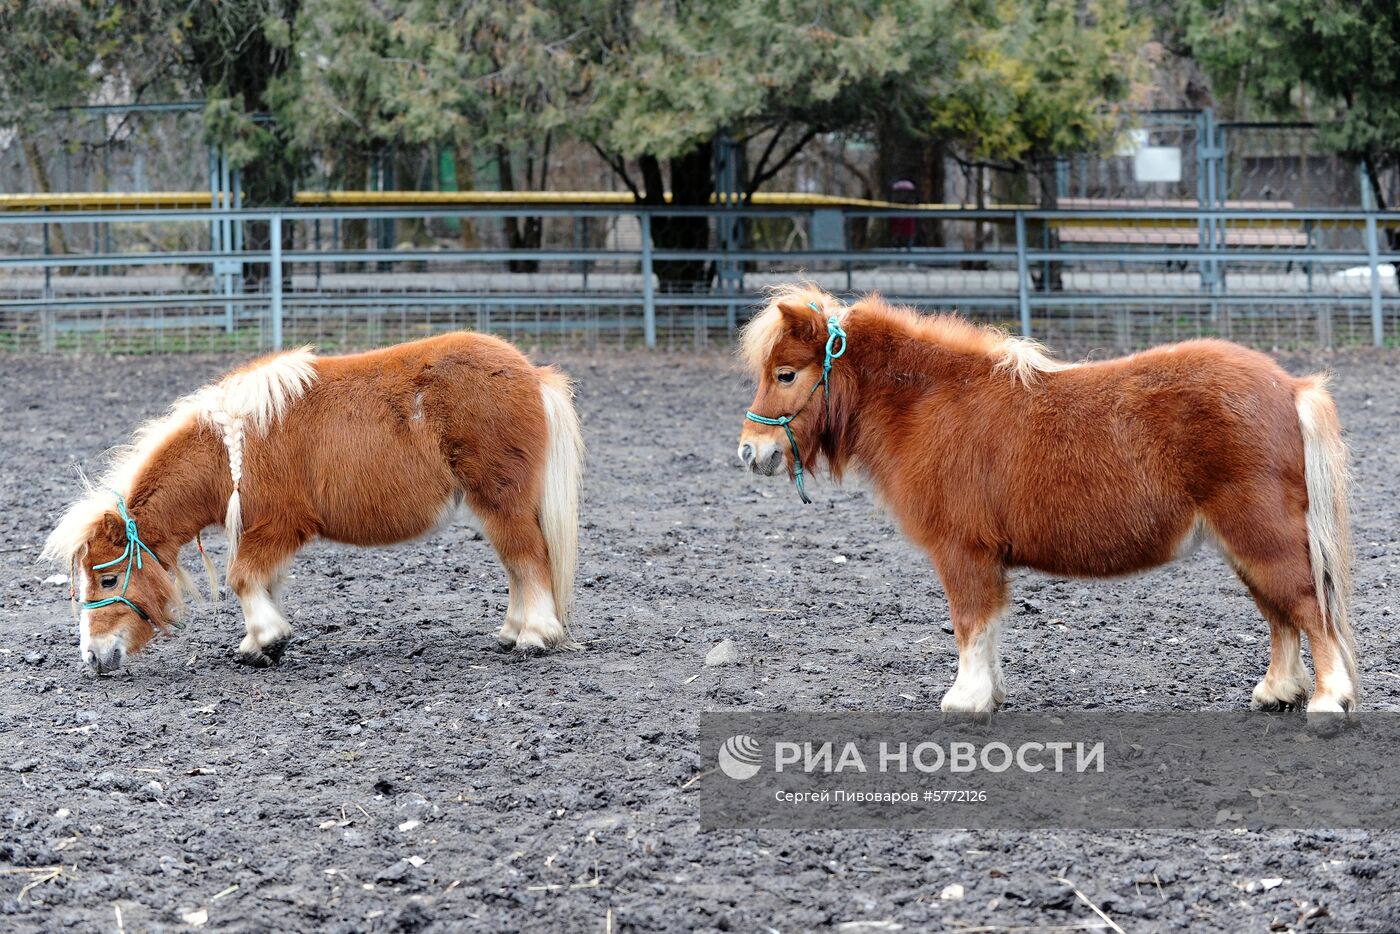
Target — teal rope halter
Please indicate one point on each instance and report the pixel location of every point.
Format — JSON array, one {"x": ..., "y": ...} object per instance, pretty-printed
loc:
[
  {"x": 132, "y": 556},
  {"x": 834, "y": 334}
]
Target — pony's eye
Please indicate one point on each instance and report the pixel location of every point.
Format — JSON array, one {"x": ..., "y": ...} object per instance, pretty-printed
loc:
[
  {"x": 108, "y": 581},
  {"x": 786, "y": 376}
]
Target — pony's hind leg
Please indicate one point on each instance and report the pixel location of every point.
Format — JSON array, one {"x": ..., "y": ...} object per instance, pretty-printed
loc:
[
  {"x": 1270, "y": 553},
  {"x": 977, "y": 597},
  {"x": 515, "y": 611},
  {"x": 532, "y": 621},
  {"x": 257, "y": 577}
]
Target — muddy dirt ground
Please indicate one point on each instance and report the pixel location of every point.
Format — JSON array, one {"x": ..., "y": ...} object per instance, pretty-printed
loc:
[{"x": 398, "y": 772}]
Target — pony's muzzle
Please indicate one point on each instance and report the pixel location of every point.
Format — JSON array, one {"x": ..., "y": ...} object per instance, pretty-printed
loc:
[
  {"x": 104, "y": 658},
  {"x": 760, "y": 457}
]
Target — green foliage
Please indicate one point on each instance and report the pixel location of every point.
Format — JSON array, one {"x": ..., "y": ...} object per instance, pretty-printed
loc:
[
  {"x": 48, "y": 51},
  {"x": 1344, "y": 55},
  {"x": 652, "y": 78},
  {"x": 1039, "y": 78},
  {"x": 429, "y": 71},
  {"x": 651, "y": 81},
  {"x": 672, "y": 74},
  {"x": 340, "y": 89},
  {"x": 232, "y": 54}
]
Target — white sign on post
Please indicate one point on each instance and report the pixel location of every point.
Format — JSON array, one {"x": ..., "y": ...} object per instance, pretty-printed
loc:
[{"x": 1157, "y": 164}]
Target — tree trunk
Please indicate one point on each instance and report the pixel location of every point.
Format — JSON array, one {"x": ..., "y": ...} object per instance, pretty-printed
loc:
[
  {"x": 244, "y": 71},
  {"x": 414, "y": 173},
  {"x": 1392, "y": 235},
  {"x": 267, "y": 181},
  {"x": 352, "y": 174},
  {"x": 1048, "y": 277},
  {"x": 466, "y": 182},
  {"x": 692, "y": 185},
  {"x": 522, "y": 233},
  {"x": 979, "y": 226},
  {"x": 40, "y": 173}
]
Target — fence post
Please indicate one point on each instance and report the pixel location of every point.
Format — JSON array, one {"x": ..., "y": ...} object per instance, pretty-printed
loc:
[
  {"x": 226, "y": 239},
  {"x": 1023, "y": 276},
  {"x": 1373, "y": 260},
  {"x": 648, "y": 288},
  {"x": 47, "y": 341},
  {"x": 1210, "y": 152},
  {"x": 275, "y": 269}
]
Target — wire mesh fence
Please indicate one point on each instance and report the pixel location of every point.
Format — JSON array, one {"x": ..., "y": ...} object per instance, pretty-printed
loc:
[{"x": 1083, "y": 279}]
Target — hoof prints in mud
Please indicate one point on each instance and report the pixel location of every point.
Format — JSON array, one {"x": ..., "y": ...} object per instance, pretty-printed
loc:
[{"x": 398, "y": 771}]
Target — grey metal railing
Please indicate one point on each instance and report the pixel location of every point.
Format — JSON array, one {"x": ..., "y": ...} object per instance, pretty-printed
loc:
[{"x": 1099, "y": 277}]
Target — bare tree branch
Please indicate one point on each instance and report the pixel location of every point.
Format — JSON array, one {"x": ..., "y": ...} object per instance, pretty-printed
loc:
[
  {"x": 768, "y": 150},
  {"x": 760, "y": 177},
  {"x": 618, "y": 165}
]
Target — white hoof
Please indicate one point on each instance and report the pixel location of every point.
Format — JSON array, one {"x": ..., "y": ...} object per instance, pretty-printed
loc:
[
  {"x": 263, "y": 622},
  {"x": 1327, "y": 706},
  {"x": 965, "y": 698},
  {"x": 979, "y": 687},
  {"x": 1280, "y": 694},
  {"x": 1335, "y": 694},
  {"x": 998, "y": 688},
  {"x": 541, "y": 634}
]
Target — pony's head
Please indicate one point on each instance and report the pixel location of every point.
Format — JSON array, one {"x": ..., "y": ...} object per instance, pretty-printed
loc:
[
  {"x": 124, "y": 595},
  {"x": 789, "y": 347}
]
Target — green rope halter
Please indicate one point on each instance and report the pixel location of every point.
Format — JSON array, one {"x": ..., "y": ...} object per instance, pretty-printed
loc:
[
  {"x": 834, "y": 334},
  {"x": 131, "y": 555}
]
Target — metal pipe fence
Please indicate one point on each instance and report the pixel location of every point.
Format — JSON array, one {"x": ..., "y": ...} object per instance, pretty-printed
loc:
[{"x": 1101, "y": 279}]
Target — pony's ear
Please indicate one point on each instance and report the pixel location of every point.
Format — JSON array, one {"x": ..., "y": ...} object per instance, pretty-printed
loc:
[
  {"x": 800, "y": 321},
  {"x": 111, "y": 530}
]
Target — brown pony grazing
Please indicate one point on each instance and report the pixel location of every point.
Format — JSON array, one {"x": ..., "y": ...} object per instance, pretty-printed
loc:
[
  {"x": 993, "y": 456},
  {"x": 368, "y": 449}
]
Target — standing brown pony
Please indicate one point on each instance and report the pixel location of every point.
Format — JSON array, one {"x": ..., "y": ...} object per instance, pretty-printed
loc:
[
  {"x": 368, "y": 449},
  {"x": 993, "y": 456}
]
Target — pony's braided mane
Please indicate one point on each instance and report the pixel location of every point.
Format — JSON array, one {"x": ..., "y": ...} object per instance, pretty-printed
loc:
[{"x": 253, "y": 399}]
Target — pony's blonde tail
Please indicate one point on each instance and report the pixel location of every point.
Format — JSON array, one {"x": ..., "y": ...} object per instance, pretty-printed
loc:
[
  {"x": 563, "y": 473},
  {"x": 1329, "y": 531}
]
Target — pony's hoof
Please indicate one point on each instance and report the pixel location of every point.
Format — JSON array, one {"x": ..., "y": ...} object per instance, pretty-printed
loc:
[
  {"x": 266, "y": 657},
  {"x": 542, "y": 638},
  {"x": 1280, "y": 704},
  {"x": 967, "y": 717},
  {"x": 1328, "y": 716}
]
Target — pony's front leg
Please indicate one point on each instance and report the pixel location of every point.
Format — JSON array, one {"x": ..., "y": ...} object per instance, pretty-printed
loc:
[
  {"x": 267, "y": 630},
  {"x": 977, "y": 597},
  {"x": 257, "y": 577}
]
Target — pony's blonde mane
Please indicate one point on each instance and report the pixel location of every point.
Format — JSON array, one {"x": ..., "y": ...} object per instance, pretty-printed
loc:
[
  {"x": 765, "y": 329},
  {"x": 250, "y": 399},
  {"x": 1024, "y": 359}
]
